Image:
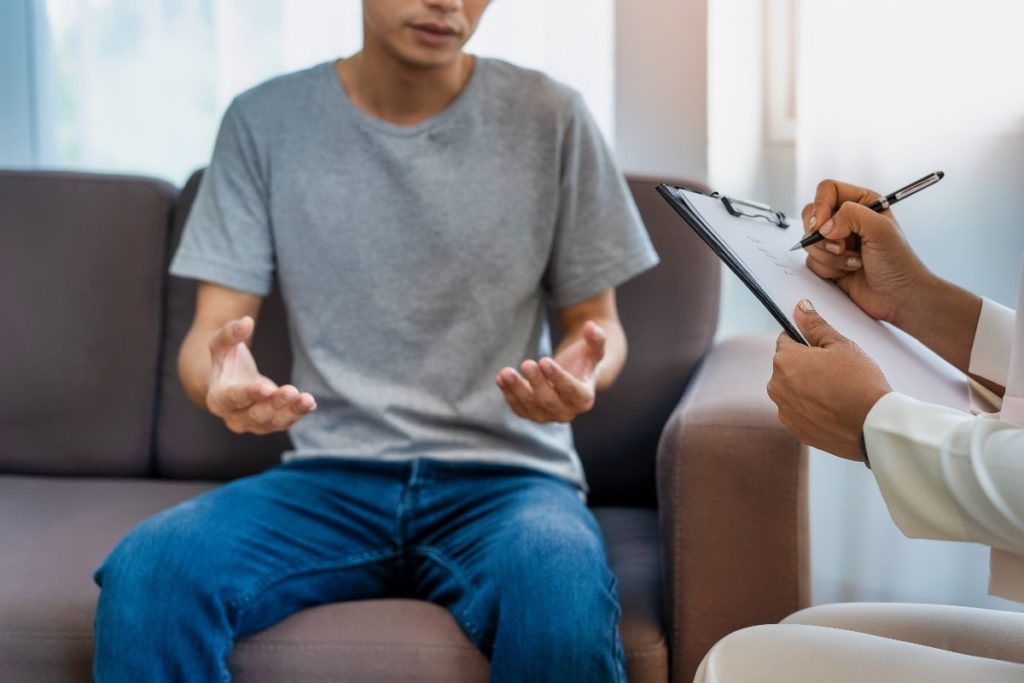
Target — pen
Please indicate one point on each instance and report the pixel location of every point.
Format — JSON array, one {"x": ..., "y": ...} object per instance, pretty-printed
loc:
[{"x": 880, "y": 204}]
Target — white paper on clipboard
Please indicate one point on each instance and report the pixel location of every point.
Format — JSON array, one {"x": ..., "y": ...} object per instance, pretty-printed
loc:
[{"x": 763, "y": 249}]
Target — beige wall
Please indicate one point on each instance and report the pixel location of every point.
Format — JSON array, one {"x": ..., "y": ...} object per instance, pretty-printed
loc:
[{"x": 661, "y": 107}]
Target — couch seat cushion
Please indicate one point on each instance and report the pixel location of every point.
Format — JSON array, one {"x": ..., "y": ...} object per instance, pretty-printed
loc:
[{"x": 56, "y": 531}]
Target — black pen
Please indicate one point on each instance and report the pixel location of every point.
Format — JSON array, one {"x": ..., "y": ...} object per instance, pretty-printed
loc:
[{"x": 880, "y": 204}]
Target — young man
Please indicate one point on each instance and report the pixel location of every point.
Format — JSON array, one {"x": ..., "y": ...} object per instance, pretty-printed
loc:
[{"x": 417, "y": 206}]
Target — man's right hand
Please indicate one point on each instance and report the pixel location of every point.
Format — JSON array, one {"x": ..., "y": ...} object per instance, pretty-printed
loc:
[
  {"x": 242, "y": 397},
  {"x": 864, "y": 252}
]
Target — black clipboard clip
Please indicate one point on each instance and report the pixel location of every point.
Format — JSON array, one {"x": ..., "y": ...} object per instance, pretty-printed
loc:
[{"x": 744, "y": 208}]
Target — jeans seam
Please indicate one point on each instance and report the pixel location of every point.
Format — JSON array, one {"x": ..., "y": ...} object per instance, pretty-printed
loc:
[
  {"x": 447, "y": 563},
  {"x": 617, "y": 646},
  {"x": 237, "y": 603}
]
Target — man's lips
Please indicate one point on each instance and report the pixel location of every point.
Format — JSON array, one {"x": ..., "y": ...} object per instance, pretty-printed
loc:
[
  {"x": 440, "y": 29},
  {"x": 434, "y": 34}
]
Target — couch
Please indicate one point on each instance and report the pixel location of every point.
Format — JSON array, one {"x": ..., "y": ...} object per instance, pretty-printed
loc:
[{"x": 699, "y": 491}]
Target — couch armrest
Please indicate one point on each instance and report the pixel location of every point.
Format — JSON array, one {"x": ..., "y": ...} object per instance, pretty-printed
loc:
[{"x": 732, "y": 500}]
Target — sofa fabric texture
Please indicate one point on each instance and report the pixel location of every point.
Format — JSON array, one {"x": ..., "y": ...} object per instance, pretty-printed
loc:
[{"x": 81, "y": 271}]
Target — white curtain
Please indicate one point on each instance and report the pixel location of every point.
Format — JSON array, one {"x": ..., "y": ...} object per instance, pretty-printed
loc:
[
  {"x": 887, "y": 92},
  {"x": 138, "y": 86}
]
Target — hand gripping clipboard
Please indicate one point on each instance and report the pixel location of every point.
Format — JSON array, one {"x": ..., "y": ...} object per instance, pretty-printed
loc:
[
  {"x": 753, "y": 241},
  {"x": 676, "y": 197}
]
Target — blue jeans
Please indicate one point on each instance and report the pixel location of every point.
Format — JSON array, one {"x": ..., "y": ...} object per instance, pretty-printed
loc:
[{"x": 513, "y": 554}]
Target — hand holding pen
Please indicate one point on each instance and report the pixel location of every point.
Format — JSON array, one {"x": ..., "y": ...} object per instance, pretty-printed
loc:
[
  {"x": 863, "y": 251},
  {"x": 878, "y": 204}
]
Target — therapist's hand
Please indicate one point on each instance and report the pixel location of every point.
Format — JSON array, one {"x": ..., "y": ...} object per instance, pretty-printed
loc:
[
  {"x": 865, "y": 252},
  {"x": 825, "y": 391}
]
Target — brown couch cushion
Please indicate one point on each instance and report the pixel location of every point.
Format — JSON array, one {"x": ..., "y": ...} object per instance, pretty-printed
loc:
[
  {"x": 81, "y": 270},
  {"x": 47, "y": 597}
]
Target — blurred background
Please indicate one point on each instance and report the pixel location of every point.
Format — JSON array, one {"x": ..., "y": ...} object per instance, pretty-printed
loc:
[{"x": 757, "y": 98}]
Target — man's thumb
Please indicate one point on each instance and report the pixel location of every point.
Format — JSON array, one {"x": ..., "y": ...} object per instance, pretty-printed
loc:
[
  {"x": 232, "y": 333},
  {"x": 815, "y": 328},
  {"x": 595, "y": 337}
]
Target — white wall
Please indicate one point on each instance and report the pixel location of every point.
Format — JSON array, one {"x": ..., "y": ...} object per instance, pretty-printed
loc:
[
  {"x": 661, "y": 80},
  {"x": 742, "y": 159},
  {"x": 953, "y": 101}
]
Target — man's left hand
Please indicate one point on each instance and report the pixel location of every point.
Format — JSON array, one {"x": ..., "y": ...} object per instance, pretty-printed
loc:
[
  {"x": 824, "y": 392},
  {"x": 560, "y": 388}
]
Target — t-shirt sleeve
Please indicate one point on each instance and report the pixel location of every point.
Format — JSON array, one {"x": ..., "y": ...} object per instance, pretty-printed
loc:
[
  {"x": 227, "y": 238},
  {"x": 600, "y": 241}
]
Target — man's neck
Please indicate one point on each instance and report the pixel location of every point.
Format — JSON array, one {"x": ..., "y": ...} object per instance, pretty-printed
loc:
[{"x": 383, "y": 86}]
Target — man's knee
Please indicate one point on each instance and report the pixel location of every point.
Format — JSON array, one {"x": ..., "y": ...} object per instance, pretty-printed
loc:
[
  {"x": 565, "y": 583},
  {"x": 160, "y": 550}
]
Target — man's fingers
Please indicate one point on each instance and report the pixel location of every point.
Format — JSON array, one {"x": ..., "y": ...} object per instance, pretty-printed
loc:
[
  {"x": 503, "y": 381},
  {"x": 301, "y": 405},
  {"x": 544, "y": 395},
  {"x": 816, "y": 329},
  {"x": 571, "y": 390},
  {"x": 232, "y": 333},
  {"x": 241, "y": 396},
  {"x": 596, "y": 339},
  {"x": 283, "y": 396},
  {"x": 513, "y": 383},
  {"x": 261, "y": 412},
  {"x": 264, "y": 416}
]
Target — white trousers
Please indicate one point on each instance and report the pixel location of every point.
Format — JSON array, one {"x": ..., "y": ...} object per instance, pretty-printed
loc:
[{"x": 875, "y": 642}]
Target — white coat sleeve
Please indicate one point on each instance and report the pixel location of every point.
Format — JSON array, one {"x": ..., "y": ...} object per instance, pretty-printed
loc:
[
  {"x": 993, "y": 343},
  {"x": 946, "y": 474}
]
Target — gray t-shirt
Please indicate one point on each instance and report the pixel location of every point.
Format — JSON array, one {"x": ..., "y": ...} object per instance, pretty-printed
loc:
[{"x": 415, "y": 261}]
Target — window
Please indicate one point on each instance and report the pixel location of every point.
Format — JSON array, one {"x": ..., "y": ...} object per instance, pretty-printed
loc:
[{"x": 139, "y": 87}]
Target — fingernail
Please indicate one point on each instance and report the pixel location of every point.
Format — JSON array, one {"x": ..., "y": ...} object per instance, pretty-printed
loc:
[
  {"x": 806, "y": 306},
  {"x": 546, "y": 368},
  {"x": 814, "y": 219},
  {"x": 853, "y": 262},
  {"x": 528, "y": 370},
  {"x": 827, "y": 228},
  {"x": 833, "y": 247}
]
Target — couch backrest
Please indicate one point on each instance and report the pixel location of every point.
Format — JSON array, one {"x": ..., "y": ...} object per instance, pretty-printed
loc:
[
  {"x": 82, "y": 262},
  {"x": 191, "y": 443},
  {"x": 669, "y": 313}
]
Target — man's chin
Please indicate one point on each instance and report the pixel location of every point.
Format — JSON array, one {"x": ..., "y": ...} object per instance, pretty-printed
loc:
[{"x": 421, "y": 58}]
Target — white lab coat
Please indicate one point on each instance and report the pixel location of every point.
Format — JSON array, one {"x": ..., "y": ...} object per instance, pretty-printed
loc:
[{"x": 950, "y": 475}]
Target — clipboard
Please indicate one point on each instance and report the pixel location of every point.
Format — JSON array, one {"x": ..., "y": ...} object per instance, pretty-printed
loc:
[
  {"x": 753, "y": 240},
  {"x": 676, "y": 197}
]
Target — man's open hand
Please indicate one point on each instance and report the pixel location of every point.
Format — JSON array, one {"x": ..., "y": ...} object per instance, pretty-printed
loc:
[
  {"x": 242, "y": 397},
  {"x": 560, "y": 388}
]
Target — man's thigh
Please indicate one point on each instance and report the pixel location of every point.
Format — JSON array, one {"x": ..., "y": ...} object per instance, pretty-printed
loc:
[
  {"x": 514, "y": 547},
  {"x": 267, "y": 545}
]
